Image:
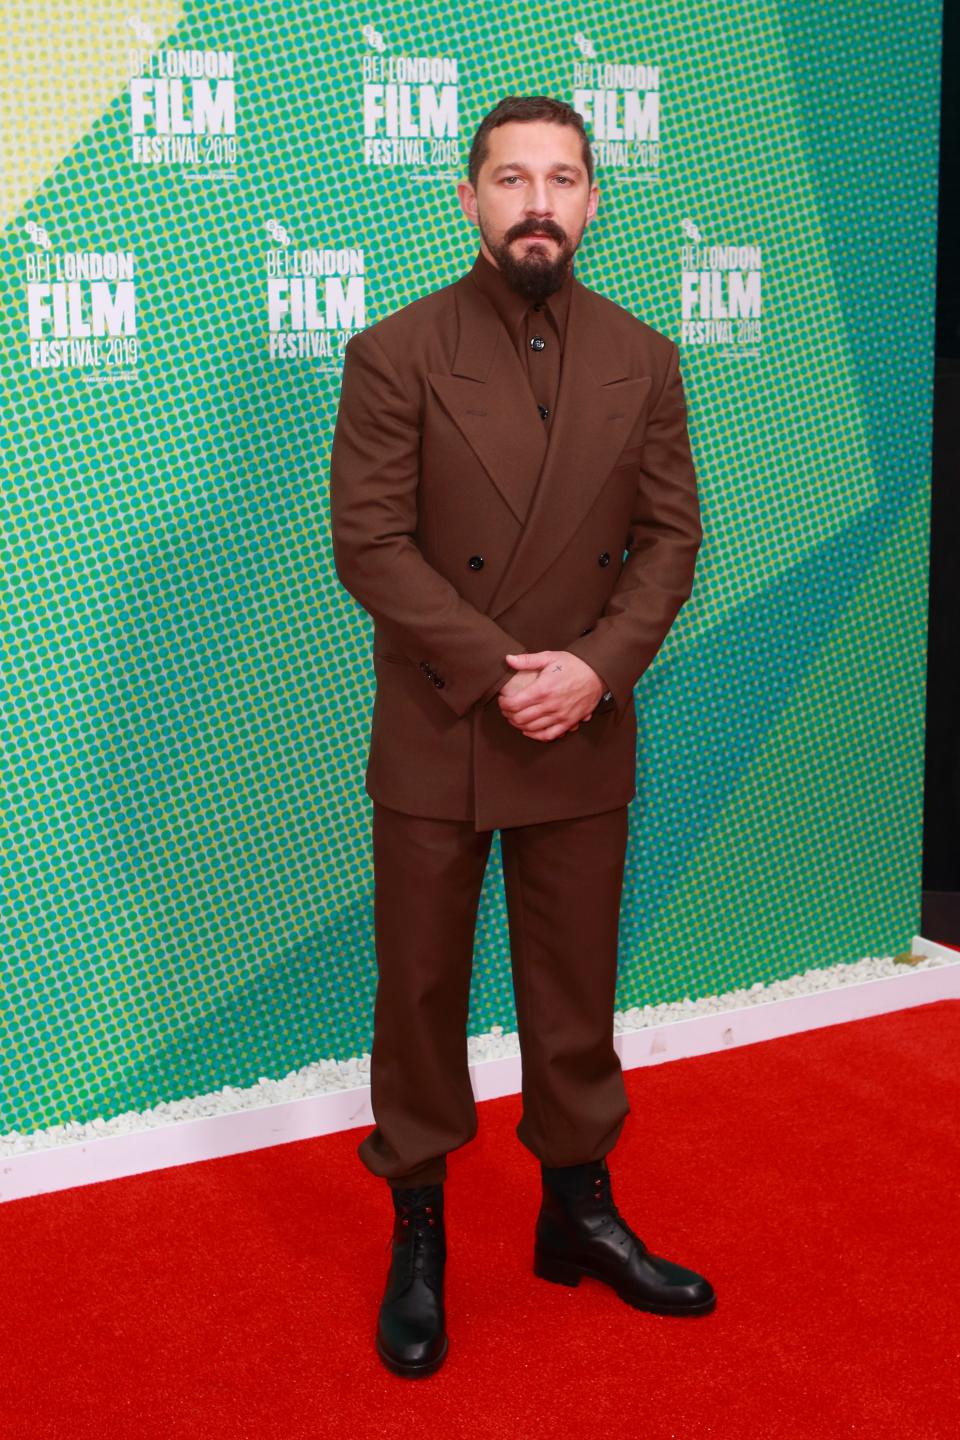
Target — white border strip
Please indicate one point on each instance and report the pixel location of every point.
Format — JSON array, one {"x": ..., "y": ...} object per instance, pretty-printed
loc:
[{"x": 38, "y": 1172}]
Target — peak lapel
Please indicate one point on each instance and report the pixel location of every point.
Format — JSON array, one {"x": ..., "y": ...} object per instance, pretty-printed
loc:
[
  {"x": 488, "y": 396},
  {"x": 597, "y": 404}
]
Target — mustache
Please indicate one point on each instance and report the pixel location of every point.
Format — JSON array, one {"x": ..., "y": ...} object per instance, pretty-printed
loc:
[{"x": 537, "y": 227}]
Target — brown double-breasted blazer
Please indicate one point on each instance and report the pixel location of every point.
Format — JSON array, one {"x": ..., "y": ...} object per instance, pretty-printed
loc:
[{"x": 462, "y": 547}]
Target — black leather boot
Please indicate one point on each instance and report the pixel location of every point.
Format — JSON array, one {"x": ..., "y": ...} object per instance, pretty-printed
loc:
[
  {"x": 411, "y": 1336},
  {"x": 580, "y": 1231}
]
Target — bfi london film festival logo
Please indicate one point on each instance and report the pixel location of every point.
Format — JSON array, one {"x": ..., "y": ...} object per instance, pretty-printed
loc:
[
  {"x": 316, "y": 299},
  {"x": 619, "y": 104},
  {"x": 721, "y": 294},
  {"x": 81, "y": 309},
  {"x": 183, "y": 105},
  {"x": 411, "y": 108}
]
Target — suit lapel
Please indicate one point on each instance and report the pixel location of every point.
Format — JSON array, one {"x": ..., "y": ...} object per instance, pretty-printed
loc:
[{"x": 488, "y": 396}]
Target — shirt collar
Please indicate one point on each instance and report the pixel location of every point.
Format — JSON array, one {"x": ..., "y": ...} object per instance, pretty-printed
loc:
[{"x": 509, "y": 304}]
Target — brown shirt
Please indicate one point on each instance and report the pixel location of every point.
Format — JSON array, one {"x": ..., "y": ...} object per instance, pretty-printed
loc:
[{"x": 545, "y": 325}]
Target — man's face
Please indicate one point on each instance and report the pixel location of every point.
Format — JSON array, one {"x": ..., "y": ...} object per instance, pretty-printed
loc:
[{"x": 532, "y": 203}]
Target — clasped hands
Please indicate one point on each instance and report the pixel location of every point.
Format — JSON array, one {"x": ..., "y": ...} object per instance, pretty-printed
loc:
[{"x": 551, "y": 692}]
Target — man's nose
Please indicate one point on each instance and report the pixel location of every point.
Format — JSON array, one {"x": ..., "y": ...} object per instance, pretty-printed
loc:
[{"x": 538, "y": 202}]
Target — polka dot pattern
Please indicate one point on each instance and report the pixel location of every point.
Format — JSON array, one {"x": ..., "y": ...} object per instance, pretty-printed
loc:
[{"x": 187, "y": 687}]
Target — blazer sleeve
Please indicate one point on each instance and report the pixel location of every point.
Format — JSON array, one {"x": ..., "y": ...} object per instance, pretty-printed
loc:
[
  {"x": 657, "y": 576},
  {"x": 374, "y": 472}
]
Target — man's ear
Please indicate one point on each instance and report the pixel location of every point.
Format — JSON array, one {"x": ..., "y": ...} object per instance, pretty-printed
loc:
[{"x": 468, "y": 199}]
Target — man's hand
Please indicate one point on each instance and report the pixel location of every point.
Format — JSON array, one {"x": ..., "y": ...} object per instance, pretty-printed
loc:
[{"x": 563, "y": 692}]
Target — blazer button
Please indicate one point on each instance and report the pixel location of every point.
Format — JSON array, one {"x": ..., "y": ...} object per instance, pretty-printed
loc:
[
  {"x": 475, "y": 562},
  {"x": 604, "y": 558},
  {"x": 537, "y": 343}
]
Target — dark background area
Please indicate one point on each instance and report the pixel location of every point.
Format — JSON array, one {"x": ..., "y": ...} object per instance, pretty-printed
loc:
[{"x": 940, "y": 913}]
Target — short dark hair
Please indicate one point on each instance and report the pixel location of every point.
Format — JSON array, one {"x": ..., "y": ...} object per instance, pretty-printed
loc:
[{"x": 525, "y": 108}]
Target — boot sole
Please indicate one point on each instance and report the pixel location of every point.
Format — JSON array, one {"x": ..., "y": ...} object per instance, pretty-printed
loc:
[
  {"x": 412, "y": 1372},
  {"x": 567, "y": 1272}
]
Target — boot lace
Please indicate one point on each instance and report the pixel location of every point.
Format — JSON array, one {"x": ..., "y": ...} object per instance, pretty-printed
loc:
[
  {"x": 603, "y": 1196},
  {"x": 416, "y": 1212}
]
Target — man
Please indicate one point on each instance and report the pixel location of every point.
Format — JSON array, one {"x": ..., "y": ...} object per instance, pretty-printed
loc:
[{"x": 514, "y": 503}]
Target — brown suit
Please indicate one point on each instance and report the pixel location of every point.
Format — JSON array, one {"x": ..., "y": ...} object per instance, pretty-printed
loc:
[
  {"x": 469, "y": 530},
  {"x": 444, "y": 532}
]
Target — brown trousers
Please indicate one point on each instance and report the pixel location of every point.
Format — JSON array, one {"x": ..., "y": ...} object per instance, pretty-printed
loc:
[{"x": 563, "y": 881}]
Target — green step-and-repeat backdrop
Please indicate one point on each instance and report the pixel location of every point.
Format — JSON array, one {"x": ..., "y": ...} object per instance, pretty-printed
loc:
[{"x": 201, "y": 203}]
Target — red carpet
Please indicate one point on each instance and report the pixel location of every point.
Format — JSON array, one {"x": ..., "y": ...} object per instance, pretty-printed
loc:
[{"x": 814, "y": 1179}]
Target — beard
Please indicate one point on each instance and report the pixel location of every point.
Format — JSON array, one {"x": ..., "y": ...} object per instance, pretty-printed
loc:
[{"x": 535, "y": 273}]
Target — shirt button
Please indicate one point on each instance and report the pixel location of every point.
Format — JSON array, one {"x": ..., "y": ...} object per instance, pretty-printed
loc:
[
  {"x": 475, "y": 562},
  {"x": 544, "y": 411},
  {"x": 537, "y": 343},
  {"x": 603, "y": 558}
]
